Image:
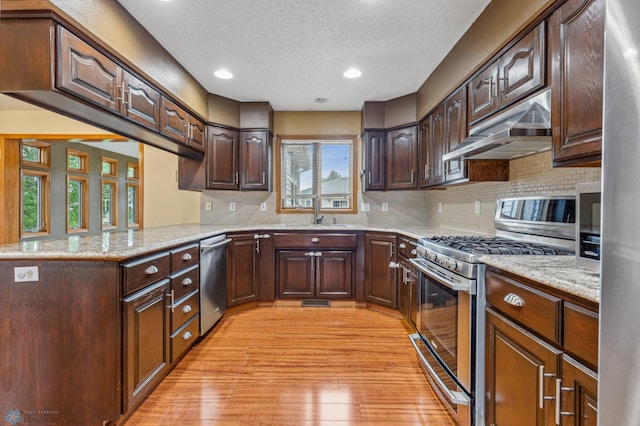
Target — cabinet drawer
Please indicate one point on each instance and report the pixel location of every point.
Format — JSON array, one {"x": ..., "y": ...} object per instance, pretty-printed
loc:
[
  {"x": 184, "y": 309},
  {"x": 142, "y": 272},
  {"x": 581, "y": 333},
  {"x": 185, "y": 282},
  {"x": 405, "y": 246},
  {"x": 184, "y": 338},
  {"x": 312, "y": 241},
  {"x": 539, "y": 312},
  {"x": 184, "y": 257}
]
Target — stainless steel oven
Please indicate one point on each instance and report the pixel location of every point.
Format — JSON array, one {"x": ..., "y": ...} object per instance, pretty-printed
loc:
[{"x": 445, "y": 341}]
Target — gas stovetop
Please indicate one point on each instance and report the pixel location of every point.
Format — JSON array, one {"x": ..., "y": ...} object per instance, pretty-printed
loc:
[{"x": 492, "y": 245}]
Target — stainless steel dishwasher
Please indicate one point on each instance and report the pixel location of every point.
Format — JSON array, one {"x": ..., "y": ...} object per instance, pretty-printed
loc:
[{"x": 213, "y": 281}]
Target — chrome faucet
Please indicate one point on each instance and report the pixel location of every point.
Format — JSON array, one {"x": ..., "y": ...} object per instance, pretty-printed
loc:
[{"x": 317, "y": 218}]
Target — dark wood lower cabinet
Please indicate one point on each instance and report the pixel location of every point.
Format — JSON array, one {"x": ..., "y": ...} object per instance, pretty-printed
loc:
[
  {"x": 579, "y": 394},
  {"x": 517, "y": 363},
  {"x": 146, "y": 341},
  {"x": 380, "y": 278},
  {"x": 319, "y": 274},
  {"x": 242, "y": 280}
]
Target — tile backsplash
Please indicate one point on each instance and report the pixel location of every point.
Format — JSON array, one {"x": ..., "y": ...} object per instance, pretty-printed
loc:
[{"x": 451, "y": 208}]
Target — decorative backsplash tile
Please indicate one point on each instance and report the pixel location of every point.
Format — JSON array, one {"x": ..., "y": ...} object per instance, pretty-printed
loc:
[{"x": 531, "y": 175}]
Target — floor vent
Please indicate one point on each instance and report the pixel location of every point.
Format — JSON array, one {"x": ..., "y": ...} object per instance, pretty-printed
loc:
[{"x": 316, "y": 303}]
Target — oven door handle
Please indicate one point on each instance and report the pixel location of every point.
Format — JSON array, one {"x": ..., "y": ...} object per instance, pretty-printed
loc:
[
  {"x": 443, "y": 279},
  {"x": 455, "y": 397}
]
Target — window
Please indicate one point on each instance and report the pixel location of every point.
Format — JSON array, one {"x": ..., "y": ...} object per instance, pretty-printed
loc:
[
  {"x": 35, "y": 154},
  {"x": 34, "y": 202},
  {"x": 133, "y": 212},
  {"x": 133, "y": 171},
  {"x": 109, "y": 167},
  {"x": 77, "y": 161},
  {"x": 109, "y": 219},
  {"x": 311, "y": 166},
  {"x": 77, "y": 204}
]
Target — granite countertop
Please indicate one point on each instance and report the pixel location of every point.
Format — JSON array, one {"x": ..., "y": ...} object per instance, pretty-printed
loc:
[
  {"x": 125, "y": 244},
  {"x": 559, "y": 272}
]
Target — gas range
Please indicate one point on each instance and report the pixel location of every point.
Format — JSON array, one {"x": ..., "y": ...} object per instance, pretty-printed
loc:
[{"x": 524, "y": 226}]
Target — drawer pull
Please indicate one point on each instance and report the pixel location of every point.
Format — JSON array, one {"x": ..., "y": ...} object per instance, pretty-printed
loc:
[
  {"x": 187, "y": 257},
  {"x": 151, "y": 270},
  {"x": 315, "y": 240},
  {"x": 186, "y": 309},
  {"x": 187, "y": 282},
  {"x": 394, "y": 265},
  {"x": 402, "y": 245},
  {"x": 514, "y": 300},
  {"x": 187, "y": 335}
]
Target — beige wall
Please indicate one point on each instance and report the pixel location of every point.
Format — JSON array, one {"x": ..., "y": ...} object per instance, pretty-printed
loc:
[
  {"x": 164, "y": 203},
  {"x": 498, "y": 23},
  {"x": 325, "y": 123}
]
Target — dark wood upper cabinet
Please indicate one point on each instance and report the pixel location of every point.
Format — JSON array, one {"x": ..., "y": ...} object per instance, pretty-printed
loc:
[
  {"x": 197, "y": 134},
  {"x": 222, "y": 158},
  {"x": 402, "y": 158},
  {"x": 87, "y": 73},
  {"x": 438, "y": 145},
  {"x": 517, "y": 73},
  {"x": 576, "y": 33},
  {"x": 140, "y": 101},
  {"x": 455, "y": 122},
  {"x": 425, "y": 153},
  {"x": 374, "y": 160},
  {"x": 255, "y": 156},
  {"x": 173, "y": 121}
]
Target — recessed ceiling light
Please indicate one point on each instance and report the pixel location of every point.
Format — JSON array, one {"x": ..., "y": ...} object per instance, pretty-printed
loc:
[
  {"x": 223, "y": 74},
  {"x": 352, "y": 73},
  {"x": 321, "y": 100}
]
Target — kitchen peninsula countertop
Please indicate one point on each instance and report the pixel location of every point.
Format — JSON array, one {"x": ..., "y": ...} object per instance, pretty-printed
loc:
[
  {"x": 126, "y": 244},
  {"x": 559, "y": 272}
]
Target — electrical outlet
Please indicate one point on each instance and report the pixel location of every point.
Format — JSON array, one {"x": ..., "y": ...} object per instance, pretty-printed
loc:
[
  {"x": 385, "y": 207},
  {"x": 263, "y": 207},
  {"x": 476, "y": 207},
  {"x": 440, "y": 207},
  {"x": 26, "y": 274},
  {"x": 364, "y": 207},
  {"x": 208, "y": 206},
  {"x": 232, "y": 206}
]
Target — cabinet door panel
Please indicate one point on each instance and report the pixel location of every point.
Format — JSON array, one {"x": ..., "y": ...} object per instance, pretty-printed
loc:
[
  {"x": 222, "y": 159},
  {"x": 579, "y": 394},
  {"x": 173, "y": 121},
  {"x": 402, "y": 162},
  {"x": 455, "y": 132},
  {"x": 254, "y": 152},
  {"x": 374, "y": 161},
  {"x": 197, "y": 134},
  {"x": 515, "y": 362},
  {"x": 86, "y": 73},
  {"x": 483, "y": 94},
  {"x": 146, "y": 339},
  {"x": 379, "y": 277},
  {"x": 522, "y": 68},
  {"x": 438, "y": 146},
  {"x": 576, "y": 32},
  {"x": 141, "y": 102},
  {"x": 425, "y": 153},
  {"x": 295, "y": 274},
  {"x": 334, "y": 275},
  {"x": 242, "y": 284}
]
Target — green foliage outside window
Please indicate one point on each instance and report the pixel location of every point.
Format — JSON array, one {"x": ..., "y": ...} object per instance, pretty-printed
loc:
[
  {"x": 31, "y": 203},
  {"x": 31, "y": 153},
  {"x": 75, "y": 204}
]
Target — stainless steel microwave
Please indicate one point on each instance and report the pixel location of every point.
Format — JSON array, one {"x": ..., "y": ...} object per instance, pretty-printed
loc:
[{"x": 588, "y": 197}]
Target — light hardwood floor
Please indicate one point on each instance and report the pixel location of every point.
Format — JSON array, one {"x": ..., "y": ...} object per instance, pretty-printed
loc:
[{"x": 298, "y": 366}]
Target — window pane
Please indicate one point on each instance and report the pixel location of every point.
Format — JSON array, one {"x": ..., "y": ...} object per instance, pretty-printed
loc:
[
  {"x": 31, "y": 153},
  {"x": 106, "y": 168},
  {"x": 32, "y": 202},
  {"x": 74, "y": 162},
  {"x": 297, "y": 170},
  {"x": 74, "y": 194},
  {"x": 336, "y": 180},
  {"x": 108, "y": 196},
  {"x": 132, "y": 205},
  {"x": 132, "y": 171}
]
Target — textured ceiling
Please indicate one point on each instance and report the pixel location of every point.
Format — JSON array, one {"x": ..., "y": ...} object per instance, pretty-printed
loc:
[{"x": 289, "y": 52}]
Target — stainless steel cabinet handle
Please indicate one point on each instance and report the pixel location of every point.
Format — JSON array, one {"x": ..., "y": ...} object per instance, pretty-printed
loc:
[
  {"x": 541, "y": 376},
  {"x": 264, "y": 177},
  {"x": 187, "y": 335},
  {"x": 151, "y": 270},
  {"x": 186, "y": 309},
  {"x": 187, "y": 257},
  {"x": 559, "y": 412},
  {"x": 318, "y": 254},
  {"x": 310, "y": 253},
  {"x": 412, "y": 175},
  {"x": 172, "y": 296},
  {"x": 315, "y": 240},
  {"x": 236, "y": 177},
  {"x": 187, "y": 282},
  {"x": 514, "y": 300},
  {"x": 402, "y": 245},
  {"x": 395, "y": 265}
]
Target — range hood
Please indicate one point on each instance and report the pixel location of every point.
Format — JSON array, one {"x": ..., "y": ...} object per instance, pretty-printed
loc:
[{"x": 523, "y": 129}]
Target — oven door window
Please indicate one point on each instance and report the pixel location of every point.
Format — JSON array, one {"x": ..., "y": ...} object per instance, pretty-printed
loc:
[{"x": 439, "y": 320}]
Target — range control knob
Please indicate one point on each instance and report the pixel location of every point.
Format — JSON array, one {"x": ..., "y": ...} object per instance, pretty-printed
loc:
[
  {"x": 452, "y": 265},
  {"x": 432, "y": 256}
]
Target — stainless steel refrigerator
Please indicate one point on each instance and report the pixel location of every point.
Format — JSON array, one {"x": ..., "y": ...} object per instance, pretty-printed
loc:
[{"x": 619, "y": 369}]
